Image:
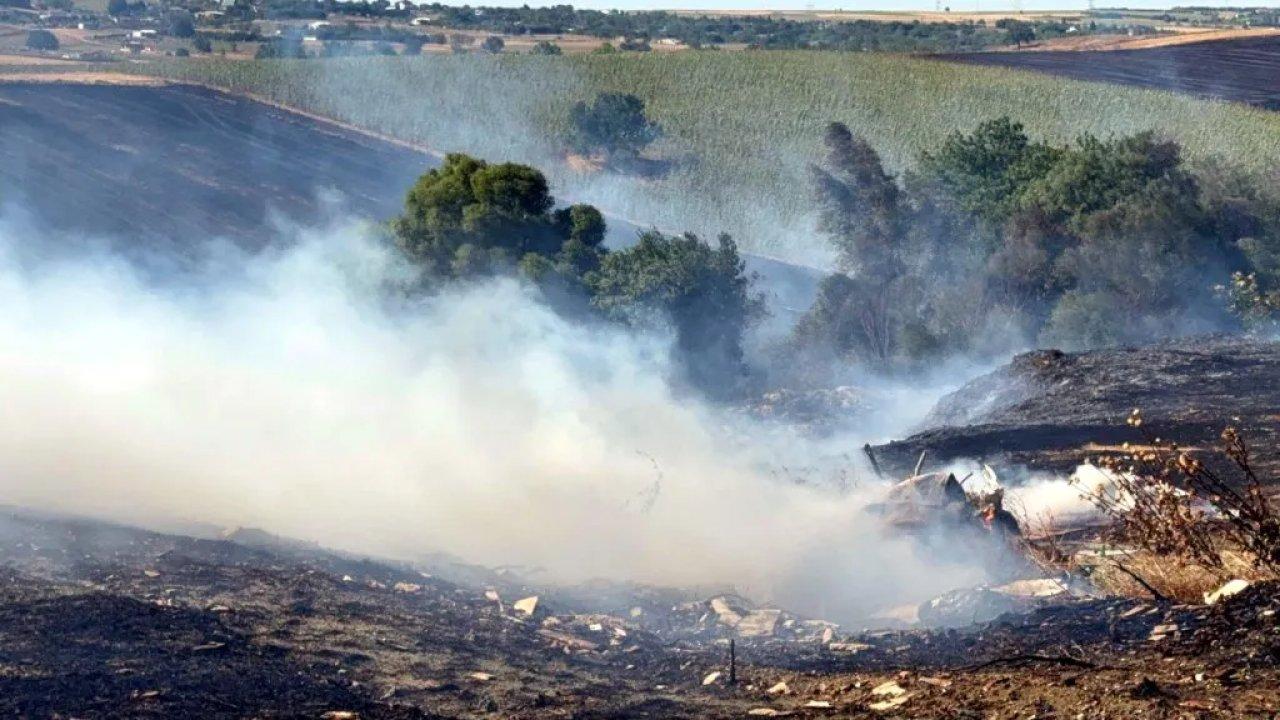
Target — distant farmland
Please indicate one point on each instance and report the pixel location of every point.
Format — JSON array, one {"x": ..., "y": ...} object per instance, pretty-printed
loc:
[{"x": 1246, "y": 70}]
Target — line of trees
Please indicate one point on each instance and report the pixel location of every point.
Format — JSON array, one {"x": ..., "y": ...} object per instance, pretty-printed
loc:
[
  {"x": 762, "y": 31},
  {"x": 991, "y": 242},
  {"x": 994, "y": 238}
]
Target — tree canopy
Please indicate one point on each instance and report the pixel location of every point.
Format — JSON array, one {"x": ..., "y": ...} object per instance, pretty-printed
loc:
[
  {"x": 995, "y": 236},
  {"x": 613, "y": 124},
  {"x": 469, "y": 217},
  {"x": 703, "y": 291}
]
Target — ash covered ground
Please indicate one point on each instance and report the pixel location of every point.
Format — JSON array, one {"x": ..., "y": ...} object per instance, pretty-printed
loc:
[{"x": 101, "y": 620}]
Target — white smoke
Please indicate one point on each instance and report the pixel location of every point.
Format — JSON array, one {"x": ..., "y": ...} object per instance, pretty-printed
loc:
[{"x": 290, "y": 390}]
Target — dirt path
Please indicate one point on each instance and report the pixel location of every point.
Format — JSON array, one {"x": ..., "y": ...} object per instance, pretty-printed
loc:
[
  {"x": 1177, "y": 37},
  {"x": 78, "y": 77}
]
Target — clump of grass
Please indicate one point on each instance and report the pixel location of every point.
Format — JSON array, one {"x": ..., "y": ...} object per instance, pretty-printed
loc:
[{"x": 1169, "y": 576}]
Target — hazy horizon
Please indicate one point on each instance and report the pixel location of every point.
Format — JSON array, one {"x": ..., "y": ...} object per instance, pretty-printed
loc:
[{"x": 959, "y": 7}]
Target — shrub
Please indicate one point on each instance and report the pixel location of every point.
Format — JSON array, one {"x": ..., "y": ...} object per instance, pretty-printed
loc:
[
  {"x": 1258, "y": 309},
  {"x": 545, "y": 47}
]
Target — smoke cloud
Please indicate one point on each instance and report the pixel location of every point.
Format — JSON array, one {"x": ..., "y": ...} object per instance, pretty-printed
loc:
[{"x": 297, "y": 390}]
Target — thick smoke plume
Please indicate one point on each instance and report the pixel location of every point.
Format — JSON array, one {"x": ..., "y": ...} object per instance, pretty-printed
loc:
[{"x": 299, "y": 391}]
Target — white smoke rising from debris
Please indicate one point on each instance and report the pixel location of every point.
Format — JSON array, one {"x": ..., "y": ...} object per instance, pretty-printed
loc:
[{"x": 289, "y": 391}]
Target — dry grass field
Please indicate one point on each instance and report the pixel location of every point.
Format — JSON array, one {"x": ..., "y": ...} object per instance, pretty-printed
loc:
[{"x": 924, "y": 16}]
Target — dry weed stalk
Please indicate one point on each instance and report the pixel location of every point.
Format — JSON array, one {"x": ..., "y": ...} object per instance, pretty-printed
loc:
[{"x": 1170, "y": 504}]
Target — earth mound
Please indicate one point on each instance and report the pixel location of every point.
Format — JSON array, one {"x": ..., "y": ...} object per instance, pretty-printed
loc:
[{"x": 1052, "y": 410}]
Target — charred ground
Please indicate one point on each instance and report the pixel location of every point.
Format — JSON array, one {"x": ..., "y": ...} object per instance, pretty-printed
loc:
[
  {"x": 1052, "y": 410},
  {"x": 173, "y": 163},
  {"x": 101, "y": 620}
]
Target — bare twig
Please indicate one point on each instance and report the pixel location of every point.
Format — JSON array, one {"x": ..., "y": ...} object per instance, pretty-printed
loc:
[
  {"x": 1025, "y": 659},
  {"x": 1136, "y": 578}
]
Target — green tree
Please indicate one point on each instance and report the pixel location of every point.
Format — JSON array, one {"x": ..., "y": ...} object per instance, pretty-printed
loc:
[
  {"x": 181, "y": 24},
  {"x": 1095, "y": 175},
  {"x": 614, "y": 124},
  {"x": 470, "y": 217},
  {"x": 202, "y": 44},
  {"x": 865, "y": 218},
  {"x": 493, "y": 44},
  {"x": 1019, "y": 32},
  {"x": 117, "y": 7},
  {"x": 702, "y": 291},
  {"x": 987, "y": 171},
  {"x": 42, "y": 40},
  {"x": 859, "y": 206}
]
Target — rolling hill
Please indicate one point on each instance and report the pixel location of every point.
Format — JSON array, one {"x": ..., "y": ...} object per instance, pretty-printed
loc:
[{"x": 741, "y": 128}]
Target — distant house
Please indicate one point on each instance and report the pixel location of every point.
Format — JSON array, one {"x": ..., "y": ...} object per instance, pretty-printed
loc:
[
  {"x": 143, "y": 34},
  {"x": 670, "y": 42},
  {"x": 423, "y": 20},
  {"x": 319, "y": 25}
]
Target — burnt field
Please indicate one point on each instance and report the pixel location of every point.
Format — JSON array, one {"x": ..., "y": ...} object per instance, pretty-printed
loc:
[
  {"x": 183, "y": 164},
  {"x": 1246, "y": 70},
  {"x": 100, "y": 620}
]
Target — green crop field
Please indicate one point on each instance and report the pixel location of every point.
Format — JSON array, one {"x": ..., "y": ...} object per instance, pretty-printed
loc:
[{"x": 741, "y": 127}]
